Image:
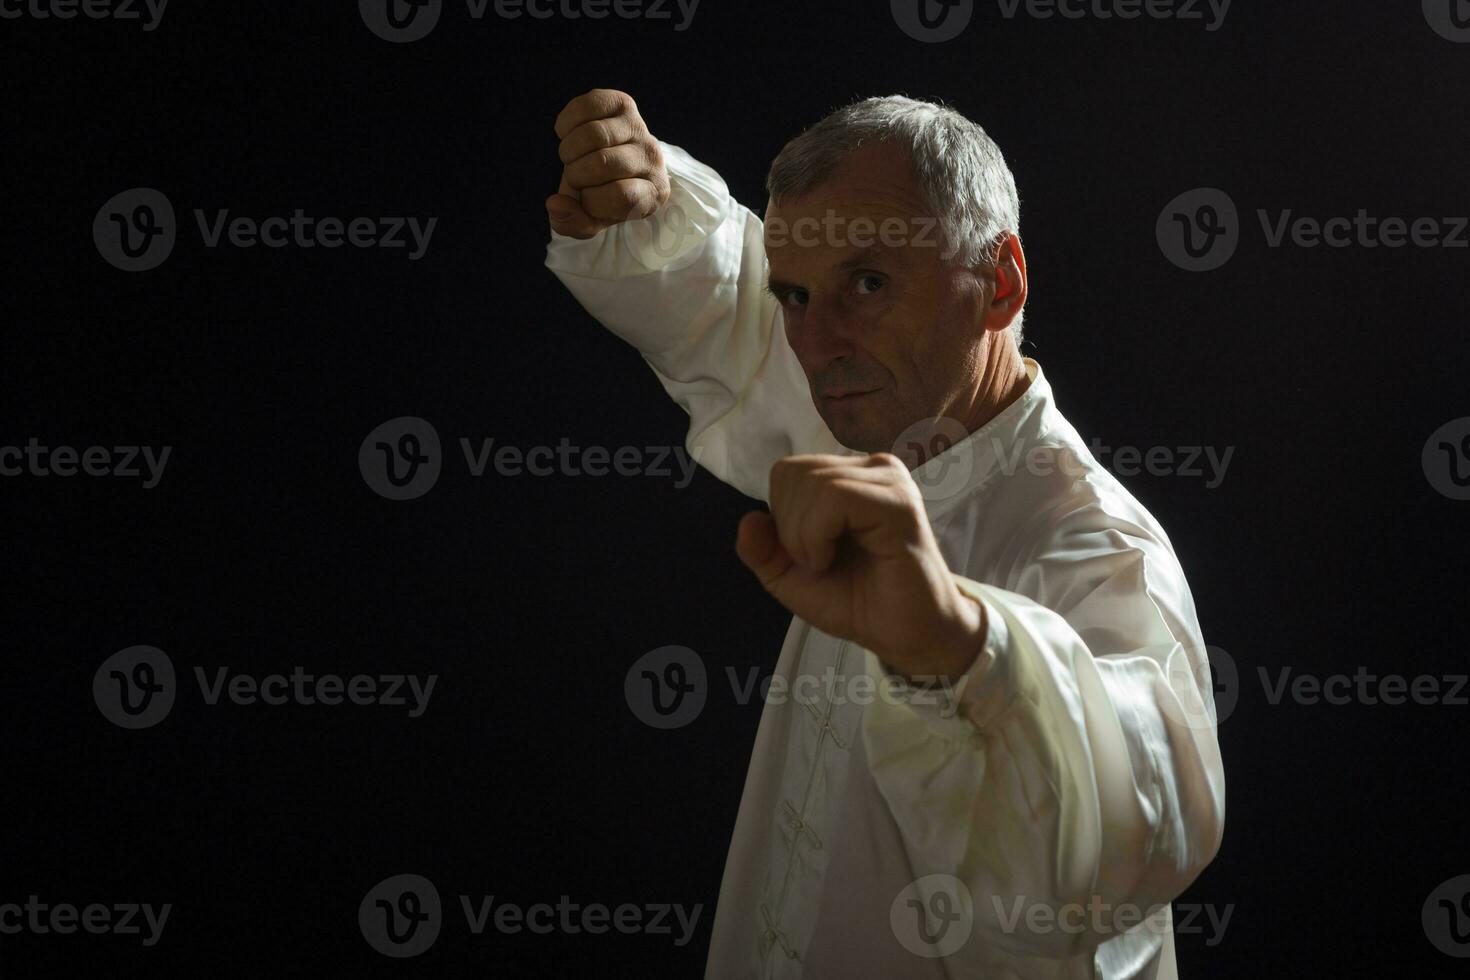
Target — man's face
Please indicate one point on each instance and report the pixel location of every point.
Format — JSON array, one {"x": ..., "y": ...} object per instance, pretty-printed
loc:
[{"x": 886, "y": 333}]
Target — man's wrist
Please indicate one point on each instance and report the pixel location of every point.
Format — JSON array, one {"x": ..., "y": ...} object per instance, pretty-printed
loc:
[{"x": 952, "y": 657}]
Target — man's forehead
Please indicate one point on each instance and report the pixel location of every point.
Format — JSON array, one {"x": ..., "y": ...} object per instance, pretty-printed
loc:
[
  {"x": 876, "y": 177},
  {"x": 828, "y": 239},
  {"x": 862, "y": 214}
]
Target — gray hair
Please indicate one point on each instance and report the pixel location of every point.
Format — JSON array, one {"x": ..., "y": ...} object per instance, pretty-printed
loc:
[{"x": 960, "y": 171}]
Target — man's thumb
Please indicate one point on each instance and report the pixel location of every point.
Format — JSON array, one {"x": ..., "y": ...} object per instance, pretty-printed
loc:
[
  {"x": 568, "y": 217},
  {"x": 759, "y": 547}
]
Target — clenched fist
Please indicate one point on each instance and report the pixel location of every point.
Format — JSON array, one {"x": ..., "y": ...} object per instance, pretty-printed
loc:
[
  {"x": 847, "y": 547},
  {"x": 612, "y": 169}
]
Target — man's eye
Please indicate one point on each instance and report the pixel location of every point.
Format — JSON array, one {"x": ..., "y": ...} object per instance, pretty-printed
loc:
[
  {"x": 794, "y": 298},
  {"x": 872, "y": 282}
]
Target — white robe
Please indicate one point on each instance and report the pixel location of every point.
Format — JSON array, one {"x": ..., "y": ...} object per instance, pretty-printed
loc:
[{"x": 1081, "y": 771}]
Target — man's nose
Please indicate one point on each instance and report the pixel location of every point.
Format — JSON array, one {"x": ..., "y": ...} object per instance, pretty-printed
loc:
[{"x": 819, "y": 338}]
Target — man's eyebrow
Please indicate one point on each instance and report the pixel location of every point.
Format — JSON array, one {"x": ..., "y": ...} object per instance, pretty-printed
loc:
[{"x": 866, "y": 255}]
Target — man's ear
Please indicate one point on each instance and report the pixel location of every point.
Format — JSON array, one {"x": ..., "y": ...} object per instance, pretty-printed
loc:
[{"x": 1008, "y": 270}]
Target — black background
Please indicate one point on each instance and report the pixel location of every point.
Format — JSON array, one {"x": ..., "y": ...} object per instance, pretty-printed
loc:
[{"x": 262, "y": 548}]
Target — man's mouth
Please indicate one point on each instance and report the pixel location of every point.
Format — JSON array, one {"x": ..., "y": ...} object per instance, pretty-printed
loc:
[{"x": 847, "y": 395}]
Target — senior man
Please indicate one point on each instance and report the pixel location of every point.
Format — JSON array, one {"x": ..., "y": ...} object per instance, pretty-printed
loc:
[{"x": 1038, "y": 775}]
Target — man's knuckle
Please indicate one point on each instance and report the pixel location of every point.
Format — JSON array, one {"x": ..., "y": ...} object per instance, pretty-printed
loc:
[
  {"x": 629, "y": 194},
  {"x": 622, "y": 101}
]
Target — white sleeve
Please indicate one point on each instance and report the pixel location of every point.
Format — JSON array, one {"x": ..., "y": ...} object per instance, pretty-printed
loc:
[
  {"x": 1074, "y": 769},
  {"x": 686, "y": 287}
]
